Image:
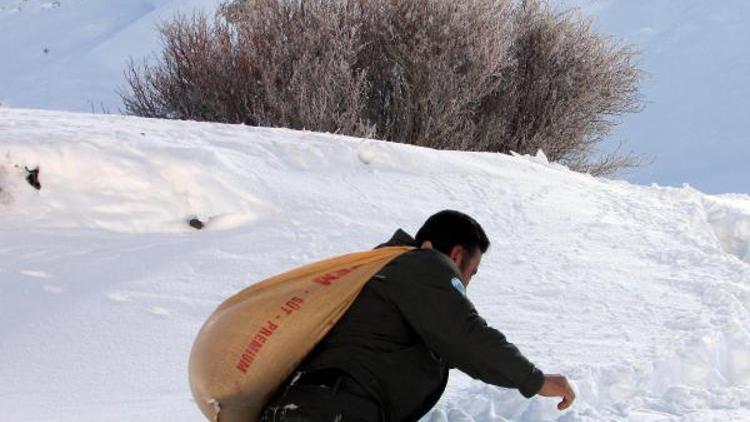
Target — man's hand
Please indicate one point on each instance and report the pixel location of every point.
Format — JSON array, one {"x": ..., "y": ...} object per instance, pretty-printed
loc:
[{"x": 557, "y": 386}]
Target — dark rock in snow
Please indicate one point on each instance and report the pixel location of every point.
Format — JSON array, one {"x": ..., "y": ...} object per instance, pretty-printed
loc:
[
  {"x": 32, "y": 176},
  {"x": 196, "y": 224}
]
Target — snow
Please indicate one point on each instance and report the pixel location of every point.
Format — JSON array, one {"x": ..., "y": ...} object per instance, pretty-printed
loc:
[
  {"x": 640, "y": 294},
  {"x": 70, "y": 55}
]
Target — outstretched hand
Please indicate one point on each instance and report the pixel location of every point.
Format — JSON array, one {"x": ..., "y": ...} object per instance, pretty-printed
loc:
[{"x": 556, "y": 385}]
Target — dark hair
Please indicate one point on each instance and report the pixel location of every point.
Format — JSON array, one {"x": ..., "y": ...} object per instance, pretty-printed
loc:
[{"x": 449, "y": 228}]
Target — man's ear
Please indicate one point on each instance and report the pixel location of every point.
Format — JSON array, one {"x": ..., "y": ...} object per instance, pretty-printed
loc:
[
  {"x": 426, "y": 245},
  {"x": 457, "y": 255}
]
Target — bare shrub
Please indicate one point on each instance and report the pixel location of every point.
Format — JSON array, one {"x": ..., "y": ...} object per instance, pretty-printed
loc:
[
  {"x": 568, "y": 89},
  {"x": 268, "y": 70},
  {"x": 482, "y": 75}
]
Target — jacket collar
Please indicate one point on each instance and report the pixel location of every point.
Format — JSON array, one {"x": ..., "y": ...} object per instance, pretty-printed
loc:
[{"x": 399, "y": 238}]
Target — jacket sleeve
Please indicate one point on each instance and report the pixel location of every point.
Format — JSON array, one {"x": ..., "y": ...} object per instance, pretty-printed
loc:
[{"x": 420, "y": 285}]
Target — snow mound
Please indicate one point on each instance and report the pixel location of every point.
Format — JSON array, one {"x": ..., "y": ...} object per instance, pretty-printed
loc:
[
  {"x": 108, "y": 181},
  {"x": 730, "y": 217},
  {"x": 640, "y": 294}
]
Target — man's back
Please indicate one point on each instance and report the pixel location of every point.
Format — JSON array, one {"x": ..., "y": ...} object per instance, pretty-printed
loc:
[{"x": 378, "y": 347}]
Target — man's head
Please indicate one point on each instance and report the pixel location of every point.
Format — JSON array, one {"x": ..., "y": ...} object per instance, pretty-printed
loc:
[{"x": 458, "y": 236}]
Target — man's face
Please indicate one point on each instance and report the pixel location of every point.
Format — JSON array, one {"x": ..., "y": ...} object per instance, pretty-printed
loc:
[
  {"x": 466, "y": 261},
  {"x": 469, "y": 266}
]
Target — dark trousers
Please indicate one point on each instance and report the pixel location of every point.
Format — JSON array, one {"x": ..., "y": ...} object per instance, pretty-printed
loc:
[{"x": 318, "y": 397}]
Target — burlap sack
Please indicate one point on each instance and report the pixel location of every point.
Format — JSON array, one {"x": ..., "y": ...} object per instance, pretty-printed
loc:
[{"x": 256, "y": 338}]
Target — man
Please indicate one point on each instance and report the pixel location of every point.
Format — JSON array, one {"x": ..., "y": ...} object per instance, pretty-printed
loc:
[{"x": 387, "y": 359}]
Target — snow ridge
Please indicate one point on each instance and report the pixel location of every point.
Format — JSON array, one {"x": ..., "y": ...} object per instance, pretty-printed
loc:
[{"x": 641, "y": 294}]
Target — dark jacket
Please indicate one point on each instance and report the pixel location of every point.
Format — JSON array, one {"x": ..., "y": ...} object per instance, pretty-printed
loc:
[{"x": 408, "y": 326}]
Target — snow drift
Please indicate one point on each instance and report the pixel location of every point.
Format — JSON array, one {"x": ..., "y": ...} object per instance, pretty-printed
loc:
[{"x": 640, "y": 294}]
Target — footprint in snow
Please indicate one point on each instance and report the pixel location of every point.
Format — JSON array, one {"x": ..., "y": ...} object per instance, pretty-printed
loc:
[
  {"x": 158, "y": 311},
  {"x": 119, "y": 297},
  {"x": 53, "y": 289},
  {"x": 35, "y": 274},
  {"x": 51, "y": 5}
]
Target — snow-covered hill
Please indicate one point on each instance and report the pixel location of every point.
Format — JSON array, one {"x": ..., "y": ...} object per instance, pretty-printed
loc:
[
  {"x": 70, "y": 55},
  {"x": 640, "y": 294}
]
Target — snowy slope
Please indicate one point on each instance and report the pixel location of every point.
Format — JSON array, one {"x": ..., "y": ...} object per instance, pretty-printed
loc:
[
  {"x": 71, "y": 54},
  {"x": 695, "y": 53},
  {"x": 640, "y": 294}
]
